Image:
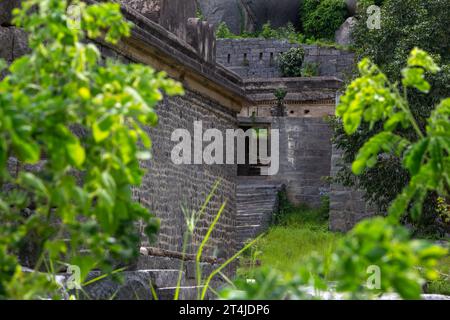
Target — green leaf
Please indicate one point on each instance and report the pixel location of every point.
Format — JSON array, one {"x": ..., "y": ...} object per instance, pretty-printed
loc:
[
  {"x": 408, "y": 289},
  {"x": 419, "y": 58},
  {"x": 367, "y": 155},
  {"x": 152, "y": 228},
  {"x": 30, "y": 181},
  {"x": 101, "y": 130},
  {"x": 76, "y": 153},
  {"x": 414, "y": 77},
  {"x": 27, "y": 151},
  {"x": 85, "y": 263}
]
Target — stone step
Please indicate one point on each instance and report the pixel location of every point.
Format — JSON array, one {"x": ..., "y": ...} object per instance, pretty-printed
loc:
[
  {"x": 256, "y": 203},
  {"x": 136, "y": 285}
]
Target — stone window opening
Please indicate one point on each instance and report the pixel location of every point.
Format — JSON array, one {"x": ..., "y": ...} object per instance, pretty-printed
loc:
[
  {"x": 246, "y": 62},
  {"x": 229, "y": 58}
]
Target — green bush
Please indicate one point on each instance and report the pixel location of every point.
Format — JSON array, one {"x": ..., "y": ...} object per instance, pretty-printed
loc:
[
  {"x": 291, "y": 62},
  {"x": 310, "y": 69},
  {"x": 321, "y": 19},
  {"x": 223, "y": 32}
]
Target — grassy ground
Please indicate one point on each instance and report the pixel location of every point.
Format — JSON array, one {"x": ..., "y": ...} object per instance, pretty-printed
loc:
[
  {"x": 441, "y": 286},
  {"x": 302, "y": 232}
]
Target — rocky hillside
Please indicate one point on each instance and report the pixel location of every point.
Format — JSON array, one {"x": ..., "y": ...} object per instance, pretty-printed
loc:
[{"x": 250, "y": 14}]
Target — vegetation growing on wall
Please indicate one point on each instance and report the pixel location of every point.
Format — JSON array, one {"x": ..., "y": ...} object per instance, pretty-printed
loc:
[
  {"x": 321, "y": 18},
  {"x": 291, "y": 62},
  {"x": 288, "y": 33},
  {"x": 74, "y": 125}
]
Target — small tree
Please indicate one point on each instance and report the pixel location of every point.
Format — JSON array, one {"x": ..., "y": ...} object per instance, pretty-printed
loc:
[
  {"x": 291, "y": 62},
  {"x": 223, "y": 32}
]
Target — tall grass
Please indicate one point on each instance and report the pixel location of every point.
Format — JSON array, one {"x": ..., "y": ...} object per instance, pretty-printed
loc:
[
  {"x": 441, "y": 285},
  {"x": 298, "y": 234}
]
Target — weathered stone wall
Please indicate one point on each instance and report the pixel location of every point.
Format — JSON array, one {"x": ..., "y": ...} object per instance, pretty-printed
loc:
[
  {"x": 258, "y": 58},
  {"x": 305, "y": 153},
  {"x": 180, "y": 18},
  {"x": 347, "y": 205},
  {"x": 168, "y": 188},
  {"x": 305, "y": 146}
]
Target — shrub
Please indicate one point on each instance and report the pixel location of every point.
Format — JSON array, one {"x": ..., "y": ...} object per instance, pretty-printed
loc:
[
  {"x": 310, "y": 69},
  {"x": 321, "y": 19},
  {"x": 223, "y": 32},
  {"x": 290, "y": 62},
  {"x": 267, "y": 32}
]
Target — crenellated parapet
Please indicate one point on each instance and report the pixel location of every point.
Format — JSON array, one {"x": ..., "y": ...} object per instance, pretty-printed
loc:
[{"x": 201, "y": 36}]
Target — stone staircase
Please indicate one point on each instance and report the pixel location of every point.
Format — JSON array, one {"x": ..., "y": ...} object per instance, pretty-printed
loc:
[{"x": 257, "y": 201}]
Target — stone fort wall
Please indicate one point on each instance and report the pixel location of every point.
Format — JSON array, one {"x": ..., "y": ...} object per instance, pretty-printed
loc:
[
  {"x": 215, "y": 96},
  {"x": 258, "y": 58}
]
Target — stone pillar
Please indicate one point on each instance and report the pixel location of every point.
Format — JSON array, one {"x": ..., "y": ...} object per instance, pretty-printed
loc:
[
  {"x": 175, "y": 14},
  {"x": 347, "y": 205},
  {"x": 148, "y": 8},
  {"x": 201, "y": 36}
]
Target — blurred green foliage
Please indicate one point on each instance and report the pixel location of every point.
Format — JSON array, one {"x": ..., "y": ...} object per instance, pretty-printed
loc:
[{"x": 75, "y": 124}]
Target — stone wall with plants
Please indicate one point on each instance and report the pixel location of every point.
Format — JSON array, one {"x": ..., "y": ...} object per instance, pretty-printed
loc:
[{"x": 258, "y": 58}]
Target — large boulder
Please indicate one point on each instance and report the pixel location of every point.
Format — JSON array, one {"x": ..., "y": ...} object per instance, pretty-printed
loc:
[
  {"x": 247, "y": 15},
  {"x": 278, "y": 12},
  {"x": 351, "y": 6},
  {"x": 343, "y": 35},
  {"x": 229, "y": 11}
]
